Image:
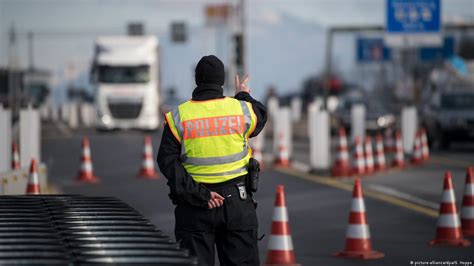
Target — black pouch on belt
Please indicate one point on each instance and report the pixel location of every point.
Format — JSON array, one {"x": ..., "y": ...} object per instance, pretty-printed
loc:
[{"x": 253, "y": 173}]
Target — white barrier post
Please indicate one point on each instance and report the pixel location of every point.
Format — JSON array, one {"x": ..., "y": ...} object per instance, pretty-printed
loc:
[
  {"x": 87, "y": 114},
  {"x": 287, "y": 130},
  {"x": 319, "y": 102},
  {"x": 54, "y": 112},
  {"x": 273, "y": 107},
  {"x": 73, "y": 121},
  {"x": 5, "y": 139},
  {"x": 93, "y": 114},
  {"x": 409, "y": 127},
  {"x": 296, "y": 105},
  {"x": 45, "y": 111},
  {"x": 357, "y": 121},
  {"x": 30, "y": 130},
  {"x": 320, "y": 139},
  {"x": 83, "y": 114},
  {"x": 64, "y": 112},
  {"x": 276, "y": 123},
  {"x": 313, "y": 108},
  {"x": 282, "y": 131}
]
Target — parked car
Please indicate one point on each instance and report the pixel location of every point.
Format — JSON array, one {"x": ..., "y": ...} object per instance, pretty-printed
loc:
[
  {"x": 377, "y": 116},
  {"x": 452, "y": 119}
]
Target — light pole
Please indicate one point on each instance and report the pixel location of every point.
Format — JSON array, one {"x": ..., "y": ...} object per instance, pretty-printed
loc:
[
  {"x": 240, "y": 41},
  {"x": 13, "y": 71},
  {"x": 31, "y": 51},
  {"x": 328, "y": 66}
]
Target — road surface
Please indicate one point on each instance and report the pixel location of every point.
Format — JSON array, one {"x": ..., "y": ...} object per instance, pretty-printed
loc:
[{"x": 318, "y": 206}]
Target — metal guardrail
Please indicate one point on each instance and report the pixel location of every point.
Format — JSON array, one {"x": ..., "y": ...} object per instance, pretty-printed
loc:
[
  {"x": 78, "y": 230},
  {"x": 14, "y": 182}
]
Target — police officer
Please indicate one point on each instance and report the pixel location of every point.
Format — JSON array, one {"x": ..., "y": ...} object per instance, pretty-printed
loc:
[{"x": 205, "y": 155}]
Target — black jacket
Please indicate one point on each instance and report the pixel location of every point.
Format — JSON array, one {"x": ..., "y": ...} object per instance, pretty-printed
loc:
[{"x": 182, "y": 186}]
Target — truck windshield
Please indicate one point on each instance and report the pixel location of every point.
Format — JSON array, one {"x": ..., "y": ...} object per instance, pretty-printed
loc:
[
  {"x": 458, "y": 101},
  {"x": 124, "y": 74}
]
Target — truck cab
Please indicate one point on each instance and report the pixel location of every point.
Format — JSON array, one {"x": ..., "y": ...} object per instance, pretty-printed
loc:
[{"x": 125, "y": 74}]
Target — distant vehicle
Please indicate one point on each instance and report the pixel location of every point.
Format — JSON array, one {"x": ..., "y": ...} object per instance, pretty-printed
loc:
[
  {"x": 37, "y": 86},
  {"x": 125, "y": 73},
  {"x": 377, "y": 116},
  {"x": 451, "y": 120},
  {"x": 33, "y": 86}
]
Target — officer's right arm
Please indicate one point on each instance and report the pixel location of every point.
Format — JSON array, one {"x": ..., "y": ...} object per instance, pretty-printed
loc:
[
  {"x": 182, "y": 187},
  {"x": 242, "y": 93}
]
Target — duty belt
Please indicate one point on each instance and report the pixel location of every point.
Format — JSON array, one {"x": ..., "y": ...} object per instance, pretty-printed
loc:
[{"x": 226, "y": 184}]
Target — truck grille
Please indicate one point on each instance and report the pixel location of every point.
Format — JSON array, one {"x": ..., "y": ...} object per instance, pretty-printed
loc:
[{"x": 125, "y": 110}]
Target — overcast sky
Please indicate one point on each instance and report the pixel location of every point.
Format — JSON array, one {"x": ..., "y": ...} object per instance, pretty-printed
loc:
[{"x": 286, "y": 41}]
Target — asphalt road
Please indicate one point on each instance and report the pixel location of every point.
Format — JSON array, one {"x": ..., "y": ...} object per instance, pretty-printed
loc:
[
  {"x": 421, "y": 183},
  {"x": 318, "y": 206}
]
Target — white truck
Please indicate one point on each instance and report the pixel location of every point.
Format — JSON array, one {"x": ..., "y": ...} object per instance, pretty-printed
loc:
[{"x": 125, "y": 74}]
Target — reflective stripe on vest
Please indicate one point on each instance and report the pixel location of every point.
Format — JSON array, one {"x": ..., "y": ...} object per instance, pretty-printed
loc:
[{"x": 236, "y": 171}]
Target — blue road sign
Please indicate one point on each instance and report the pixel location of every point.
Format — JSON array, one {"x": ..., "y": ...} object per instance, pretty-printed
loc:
[
  {"x": 428, "y": 54},
  {"x": 372, "y": 50},
  {"x": 413, "y": 16}
]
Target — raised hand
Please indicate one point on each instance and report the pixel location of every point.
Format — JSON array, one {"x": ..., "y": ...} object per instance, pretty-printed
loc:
[{"x": 241, "y": 85}]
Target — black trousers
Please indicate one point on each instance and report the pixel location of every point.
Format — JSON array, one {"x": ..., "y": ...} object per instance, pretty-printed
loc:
[{"x": 231, "y": 228}]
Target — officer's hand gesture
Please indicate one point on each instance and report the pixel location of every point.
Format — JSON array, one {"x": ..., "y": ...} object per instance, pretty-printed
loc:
[
  {"x": 241, "y": 86},
  {"x": 215, "y": 201}
]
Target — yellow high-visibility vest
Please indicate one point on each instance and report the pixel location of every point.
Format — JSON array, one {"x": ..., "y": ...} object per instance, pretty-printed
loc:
[{"x": 214, "y": 137}]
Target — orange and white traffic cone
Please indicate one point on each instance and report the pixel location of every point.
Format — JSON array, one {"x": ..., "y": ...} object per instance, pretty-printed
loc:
[
  {"x": 283, "y": 159},
  {"x": 359, "y": 163},
  {"x": 399, "y": 160},
  {"x": 148, "y": 165},
  {"x": 425, "y": 149},
  {"x": 369, "y": 156},
  {"x": 342, "y": 167},
  {"x": 379, "y": 153},
  {"x": 448, "y": 231},
  {"x": 358, "y": 243},
  {"x": 15, "y": 157},
  {"x": 86, "y": 173},
  {"x": 33, "y": 186},
  {"x": 467, "y": 207},
  {"x": 417, "y": 153},
  {"x": 389, "y": 142},
  {"x": 280, "y": 245}
]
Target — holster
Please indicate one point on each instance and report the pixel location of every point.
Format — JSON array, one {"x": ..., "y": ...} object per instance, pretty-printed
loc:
[{"x": 253, "y": 174}]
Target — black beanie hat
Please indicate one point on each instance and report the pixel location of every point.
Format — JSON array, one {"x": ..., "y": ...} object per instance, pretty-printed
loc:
[{"x": 210, "y": 70}]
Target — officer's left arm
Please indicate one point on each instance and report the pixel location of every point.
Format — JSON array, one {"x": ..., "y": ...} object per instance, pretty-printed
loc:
[{"x": 258, "y": 108}]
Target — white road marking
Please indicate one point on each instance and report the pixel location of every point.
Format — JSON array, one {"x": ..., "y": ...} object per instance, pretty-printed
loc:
[
  {"x": 65, "y": 130},
  {"x": 300, "y": 166},
  {"x": 403, "y": 195}
]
